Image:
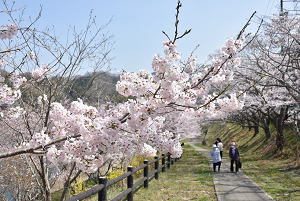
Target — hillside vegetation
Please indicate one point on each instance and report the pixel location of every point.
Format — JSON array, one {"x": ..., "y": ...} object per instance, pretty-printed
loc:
[{"x": 278, "y": 173}]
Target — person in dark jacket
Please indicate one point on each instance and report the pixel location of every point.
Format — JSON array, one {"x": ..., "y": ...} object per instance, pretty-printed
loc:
[{"x": 234, "y": 156}]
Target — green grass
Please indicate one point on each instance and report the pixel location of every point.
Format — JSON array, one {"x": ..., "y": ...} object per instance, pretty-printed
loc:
[
  {"x": 56, "y": 195},
  {"x": 276, "y": 173},
  {"x": 190, "y": 178}
]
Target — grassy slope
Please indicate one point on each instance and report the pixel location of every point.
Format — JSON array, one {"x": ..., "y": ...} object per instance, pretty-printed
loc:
[{"x": 277, "y": 173}]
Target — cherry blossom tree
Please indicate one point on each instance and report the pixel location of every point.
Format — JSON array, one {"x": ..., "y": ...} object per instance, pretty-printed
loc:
[
  {"x": 271, "y": 62},
  {"x": 26, "y": 96},
  {"x": 57, "y": 133}
]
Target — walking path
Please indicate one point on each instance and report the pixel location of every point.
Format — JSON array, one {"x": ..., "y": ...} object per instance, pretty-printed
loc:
[{"x": 231, "y": 186}]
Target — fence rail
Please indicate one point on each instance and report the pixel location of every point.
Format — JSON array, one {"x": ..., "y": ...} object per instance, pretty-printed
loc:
[{"x": 101, "y": 189}]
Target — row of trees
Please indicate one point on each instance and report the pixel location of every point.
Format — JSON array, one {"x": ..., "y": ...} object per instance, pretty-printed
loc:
[
  {"x": 47, "y": 135},
  {"x": 270, "y": 63}
]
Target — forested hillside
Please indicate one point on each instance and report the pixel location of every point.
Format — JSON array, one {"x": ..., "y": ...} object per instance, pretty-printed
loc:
[{"x": 95, "y": 89}]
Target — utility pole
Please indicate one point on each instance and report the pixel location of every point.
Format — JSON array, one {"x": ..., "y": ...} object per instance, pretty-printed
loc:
[
  {"x": 295, "y": 9},
  {"x": 281, "y": 17},
  {"x": 282, "y": 13}
]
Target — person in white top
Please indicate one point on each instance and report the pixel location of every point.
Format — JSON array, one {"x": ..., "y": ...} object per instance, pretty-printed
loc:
[
  {"x": 216, "y": 158},
  {"x": 220, "y": 147}
]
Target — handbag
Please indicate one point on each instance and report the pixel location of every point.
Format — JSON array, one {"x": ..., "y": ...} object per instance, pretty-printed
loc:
[{"x": 239, "y": 163}]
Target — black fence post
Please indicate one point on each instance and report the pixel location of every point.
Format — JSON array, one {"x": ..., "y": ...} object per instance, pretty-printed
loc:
[
  {"x": 146, "y": 170},
  {"x": 102, "y": 195},
  {"x": 156, "y": 167},
  {"x": 172, "y": 161},
  {"x": 130, "y": 183},
  {"x": 163, "y": 162},
  {"x": 176, "y": 159},
  {"x": 169, "y": 160}
]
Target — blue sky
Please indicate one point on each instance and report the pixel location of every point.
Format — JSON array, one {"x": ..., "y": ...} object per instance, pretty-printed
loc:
[{"x": 137, "y": 24}]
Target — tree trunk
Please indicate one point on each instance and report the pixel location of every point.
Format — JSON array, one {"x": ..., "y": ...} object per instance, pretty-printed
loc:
[
  {"x": 249, "y": 125},
  {"x": 204, "y": 143},
  {"x": 266, "y": 128},
  {"x": 279, "y": 140},
  {"x": 256, "y": 130},
  {"x": 279, "y": 128},
  {"x": 68, "y": 182},
  {"x": 267, "y": 133},
  {"x": 46, "y": 185}
]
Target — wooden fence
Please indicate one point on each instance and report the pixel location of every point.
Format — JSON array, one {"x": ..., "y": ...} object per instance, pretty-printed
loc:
[{"x": 101, "y": 189}]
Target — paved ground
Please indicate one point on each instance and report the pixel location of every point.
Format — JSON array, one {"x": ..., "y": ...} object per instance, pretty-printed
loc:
[{"x": 231, "y": 186}]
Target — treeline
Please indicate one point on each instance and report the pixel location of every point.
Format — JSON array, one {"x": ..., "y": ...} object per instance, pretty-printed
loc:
[{"x": 269, "y": 76}]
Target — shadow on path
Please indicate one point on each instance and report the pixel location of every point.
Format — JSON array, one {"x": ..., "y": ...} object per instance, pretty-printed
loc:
[{"x": 231, "y": 186}]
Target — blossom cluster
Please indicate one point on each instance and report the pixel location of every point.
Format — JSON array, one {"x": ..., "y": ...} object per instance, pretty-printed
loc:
[
  {"x": 138, "y": 124},
  {"x": 103, "y": 130},
  {"x": 147, "y": 150},
  {"x": 179, "y": 86},
  {"x": 8, "y": 31},
  {"x": 9, "y": 94},
  {"x": 39, "y": 139},
  {"x": 40, "y": 73},
  {"x": 3, "y": 62},
  {"x": 42, "y": 99}
]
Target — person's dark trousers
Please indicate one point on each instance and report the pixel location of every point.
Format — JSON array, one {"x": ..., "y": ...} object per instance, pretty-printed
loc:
[
  {"x": 236, "y": 165},
  {"x": 214, "y": 166},
  {"x": 217, "y": 164},
  {"x": 221, "y": 154}
]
